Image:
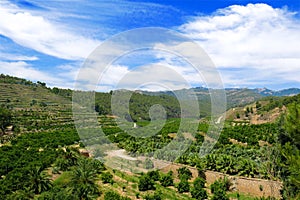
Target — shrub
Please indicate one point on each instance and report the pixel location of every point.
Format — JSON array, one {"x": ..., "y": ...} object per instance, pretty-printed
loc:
[
  {"x": 107, "y": 177},
  {"x": 184, "y": 173},
  {"x": 154, "y": 175},
  {"x": 183, "y": 186},
  {"x": 146, "y": 183},
  {"x": 149, "y": 164},
  {"x": 219, "y": 188},
  {"x": 167, "y": 179}
]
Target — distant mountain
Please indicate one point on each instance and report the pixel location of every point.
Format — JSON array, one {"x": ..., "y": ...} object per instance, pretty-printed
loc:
[
  {"x": 25, "y": 92},
  {"x": 284, "y": 92},
  {"x": 235, "y": 96}
]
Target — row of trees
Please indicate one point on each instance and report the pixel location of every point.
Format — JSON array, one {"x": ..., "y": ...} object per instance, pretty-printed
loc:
[
  {"x": 196, "y": 189},
  {"x": 32, "y": 152}
]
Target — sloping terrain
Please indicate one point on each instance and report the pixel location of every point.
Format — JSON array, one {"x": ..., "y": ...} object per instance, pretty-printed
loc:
[{"x": 44, "y": 139}]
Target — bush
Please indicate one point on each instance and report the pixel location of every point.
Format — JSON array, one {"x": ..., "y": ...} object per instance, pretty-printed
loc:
[
  {"x": 107, "y": 178},
  {"x": 219, "y": 188},
  {"x": 155, "y": 196},
  {"x": 197, "y": 191},
  {"x": 146, "y": 183},
  {"x": 199, "y": 183},
  {"x": 167, "y": 179},
  {"x": 184, "y": 173},
  {"x": 149, "y": 164},
  {"x": 111, "y": 195},
  {"x": 154, "y": 175},
  {"x": 183, "y": 186}
]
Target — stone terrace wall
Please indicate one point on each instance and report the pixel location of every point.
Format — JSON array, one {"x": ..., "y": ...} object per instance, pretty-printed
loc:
[{"x": 251, "y": 186}]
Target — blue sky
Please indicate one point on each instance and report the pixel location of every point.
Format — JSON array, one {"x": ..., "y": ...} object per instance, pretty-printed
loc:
[{"x": 252, "y": 43}]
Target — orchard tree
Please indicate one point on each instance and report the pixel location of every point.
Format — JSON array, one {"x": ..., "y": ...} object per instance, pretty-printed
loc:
[
  {"x": 219, "y": 188},
  {"x": 5, "y": 118},
  {"x": 167, "y": 179},
  {"x": 38, "y": 180},
  {"x": 83, "y": 180},
  {"x": 197, "y": 191},
  {"x": 184, "y": 173},
  {"x": 183, "y": 186},
  {"x": 146, "y": 183}
]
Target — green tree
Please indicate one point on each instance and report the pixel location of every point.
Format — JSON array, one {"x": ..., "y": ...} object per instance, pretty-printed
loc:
[
  {"x": 38, "y": 180},
  {"x": 149, "y": 163},
  {"x": 107, "y": 177},
  {"x": 83, "y": 180},
  {"x": 5, "y": 119},
  {"x": 197, "y": 191},
  {"x": 184, "y": 173},
  {"x": 155, "y": 196},
  {"x": 146, "y": 183},
  {"x": 226, "y": 164},
  {"x": 247, "y": 168},
  {"x": 111, "y": 195},
  {"x": 68, "y": 158},
  {"x": 291, "y": 131},
  {"x": 219, "y": 188},
  {"x": 167, "y": 179},
  {"x": 154, "y": 175},
  {"x": 21, "y": 194},
  {"x": 183, "y": 186},
  {"x": 200, "y": 193},
  {"x": 58, "y": 194},
  {"x": 290, "y": 159}
]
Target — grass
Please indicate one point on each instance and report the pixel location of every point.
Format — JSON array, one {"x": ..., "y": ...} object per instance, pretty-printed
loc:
[
  {"x": 63, "y": 179},
  {"x": 239, "y": 196}
]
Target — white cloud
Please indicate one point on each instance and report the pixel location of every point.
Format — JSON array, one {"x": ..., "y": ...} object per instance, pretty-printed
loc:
[
  {"x": 148, "y": 77},
  {"x": 38, "y": 33},
  {"x": 23, "y": 70},
  {"x": 13, "y": 57},
  {"x": 255, "y": 38}
]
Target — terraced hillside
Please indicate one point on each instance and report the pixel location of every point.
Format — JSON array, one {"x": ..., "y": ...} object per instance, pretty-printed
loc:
[
  {"x": 35, "y": 106},
  {"x": 42, "y": 156}
]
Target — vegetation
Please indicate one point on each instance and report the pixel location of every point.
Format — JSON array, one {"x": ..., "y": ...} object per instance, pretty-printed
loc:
[
  {"x": 290, "y": 152},
  {"x": 167, "y": 179},
  {"x": 183, "y": 186},
  {"x": 40, "y": 157},
  {"x": 198, "y": 191},
  {"x": 5, "y": 118},
  {"x": 146, "y": 183},
  {"x": 219, "y": 188}
]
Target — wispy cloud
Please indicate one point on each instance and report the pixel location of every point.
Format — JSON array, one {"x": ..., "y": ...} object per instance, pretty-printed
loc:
[
  {"x": 252, "y": 45},
  {"x": 262, "y": 40},
  {"x": 38, "y": 33},
  {"x": 16, "y": 57}
]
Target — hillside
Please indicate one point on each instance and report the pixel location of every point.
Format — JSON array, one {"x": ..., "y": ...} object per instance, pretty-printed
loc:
[
  {"x": 284, "y": 92},
  {"x": 43, "y": 157},
  {"x": 235, "y": 97}
]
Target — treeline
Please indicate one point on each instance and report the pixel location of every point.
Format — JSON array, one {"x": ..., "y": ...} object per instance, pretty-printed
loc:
[
  {"x": 139, "y": 105},
  {"x": 279, "y": 102},
  {"x": 15, "y": 80}
]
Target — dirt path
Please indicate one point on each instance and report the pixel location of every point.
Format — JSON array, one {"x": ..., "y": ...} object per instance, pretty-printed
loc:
[{"x": 121, "y": 153}]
